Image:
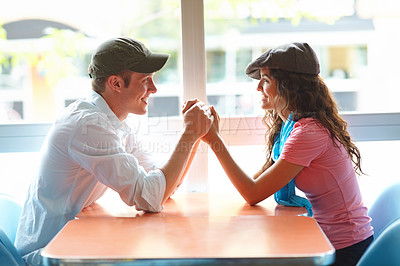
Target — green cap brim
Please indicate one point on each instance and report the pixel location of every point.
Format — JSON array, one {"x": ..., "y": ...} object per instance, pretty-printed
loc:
[{"x": 152, "y": 63}]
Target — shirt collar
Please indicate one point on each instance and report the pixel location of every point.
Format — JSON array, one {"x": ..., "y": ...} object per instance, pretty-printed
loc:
[{"x": 99, "y": 101}]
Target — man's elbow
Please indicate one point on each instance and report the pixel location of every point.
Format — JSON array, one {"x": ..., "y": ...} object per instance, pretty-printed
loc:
[{"x": 149, "y": 208}]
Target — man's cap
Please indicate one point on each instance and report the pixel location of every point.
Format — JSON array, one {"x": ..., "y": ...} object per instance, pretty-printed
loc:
[
  {"x": 292, "y": 57},
  {"x": 120, "y": 54}
]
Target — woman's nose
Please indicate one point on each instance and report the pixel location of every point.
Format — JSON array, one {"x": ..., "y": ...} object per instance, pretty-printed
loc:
[{"x": 260, "y": 86}]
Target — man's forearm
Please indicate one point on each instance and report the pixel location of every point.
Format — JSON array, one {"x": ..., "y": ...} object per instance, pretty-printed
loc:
[
  {"x": 176, "y": 165},
  {"x": 189, "y": 162}
]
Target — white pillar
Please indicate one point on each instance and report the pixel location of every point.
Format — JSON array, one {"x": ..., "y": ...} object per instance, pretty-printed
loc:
[{"x": 194, "y": 81}]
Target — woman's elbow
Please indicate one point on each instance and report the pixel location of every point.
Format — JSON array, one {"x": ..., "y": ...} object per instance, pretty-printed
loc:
[
  {"x": 255, "y": 197},
  {"x": 251, "y": 200}
]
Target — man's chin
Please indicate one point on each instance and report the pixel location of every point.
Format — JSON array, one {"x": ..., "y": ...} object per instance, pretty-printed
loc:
[{"x": 142, "y": 112}]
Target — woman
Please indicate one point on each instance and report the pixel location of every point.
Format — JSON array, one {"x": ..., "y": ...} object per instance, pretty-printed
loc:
[{"x": 306, "y": 141}]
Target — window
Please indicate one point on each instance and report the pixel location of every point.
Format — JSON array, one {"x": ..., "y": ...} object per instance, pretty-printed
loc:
[
  {"x": 351, "y": 43},
  {"x": 211, "y": 43},
  {"x": 44, "y": 62}
]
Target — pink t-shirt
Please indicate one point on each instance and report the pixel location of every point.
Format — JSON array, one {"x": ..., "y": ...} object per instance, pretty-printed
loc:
[{"x": 329, "y": 182}]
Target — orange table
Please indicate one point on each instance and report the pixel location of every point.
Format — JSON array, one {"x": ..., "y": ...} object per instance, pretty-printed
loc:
[
  {"x": 194, "y": 229},
  {"x": 191, "y": 204}
]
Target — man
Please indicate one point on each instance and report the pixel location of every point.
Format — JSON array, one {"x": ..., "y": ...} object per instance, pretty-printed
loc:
[{"x": 90, "y": 147}]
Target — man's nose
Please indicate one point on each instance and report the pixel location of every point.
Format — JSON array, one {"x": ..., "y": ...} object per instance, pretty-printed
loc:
[{"x": 152, "y": 88}]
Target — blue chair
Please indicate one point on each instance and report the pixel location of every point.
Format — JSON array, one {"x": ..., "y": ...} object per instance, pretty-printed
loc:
[
  {"x": 384, "y": 250},
  {"x": 385, "y": 209},
  {"x": 10, "y": 212},
  {"x": 8, "y": 253}
]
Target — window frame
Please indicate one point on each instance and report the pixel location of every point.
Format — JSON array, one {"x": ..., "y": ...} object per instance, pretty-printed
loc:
[{"x": 28, "y": 137}]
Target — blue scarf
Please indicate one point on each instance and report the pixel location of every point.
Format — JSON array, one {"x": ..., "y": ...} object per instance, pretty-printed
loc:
[{"x": 286, "y": 196}]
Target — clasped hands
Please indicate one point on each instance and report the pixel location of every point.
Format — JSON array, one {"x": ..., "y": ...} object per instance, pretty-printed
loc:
[{"x": 201, "y": 120}]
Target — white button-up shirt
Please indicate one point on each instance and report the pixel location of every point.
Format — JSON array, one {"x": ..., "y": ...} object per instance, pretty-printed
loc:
[{"x": 87, "y": 150}]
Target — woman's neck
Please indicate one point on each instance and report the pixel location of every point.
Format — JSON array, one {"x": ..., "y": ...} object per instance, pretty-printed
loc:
[{"x": 284, "y": 115}]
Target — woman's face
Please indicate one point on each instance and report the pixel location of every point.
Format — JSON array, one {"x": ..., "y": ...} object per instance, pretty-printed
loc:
[{"x": 268, "y": 88}]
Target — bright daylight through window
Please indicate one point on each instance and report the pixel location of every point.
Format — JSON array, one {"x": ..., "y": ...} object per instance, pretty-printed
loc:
[{"x": 44, "y": 54}]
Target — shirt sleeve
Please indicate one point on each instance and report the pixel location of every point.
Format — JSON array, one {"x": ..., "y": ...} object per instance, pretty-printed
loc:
[
  {"x": 140, "y": 150},
  {"x": 97, "y": 148},
  {"x": 306, "y": 142}
]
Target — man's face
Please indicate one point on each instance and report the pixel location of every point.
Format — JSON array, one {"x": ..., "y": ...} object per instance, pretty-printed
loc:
[{"x": 136, "y": 95}]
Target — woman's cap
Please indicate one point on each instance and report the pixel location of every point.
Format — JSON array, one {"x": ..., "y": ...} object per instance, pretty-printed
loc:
[
  {"x": 292, "y": 57},
  {"x": 120, "y": 54}
]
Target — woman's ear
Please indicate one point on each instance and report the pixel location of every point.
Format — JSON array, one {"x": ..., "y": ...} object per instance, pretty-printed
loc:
[{"x": 115, "y": 83}]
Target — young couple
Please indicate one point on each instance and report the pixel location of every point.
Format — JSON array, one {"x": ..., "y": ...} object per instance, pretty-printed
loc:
[{"x": 90, "y": 148}]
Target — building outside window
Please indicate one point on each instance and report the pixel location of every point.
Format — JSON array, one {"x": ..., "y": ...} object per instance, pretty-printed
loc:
[{"x": 45, "y": 53}]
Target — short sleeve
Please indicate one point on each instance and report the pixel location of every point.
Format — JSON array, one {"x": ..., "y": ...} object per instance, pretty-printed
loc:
[{"x": 306, "y": 142}]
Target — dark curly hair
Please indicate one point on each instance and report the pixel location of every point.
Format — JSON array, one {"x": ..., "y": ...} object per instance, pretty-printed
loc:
[{"x": 307, "y": 96}]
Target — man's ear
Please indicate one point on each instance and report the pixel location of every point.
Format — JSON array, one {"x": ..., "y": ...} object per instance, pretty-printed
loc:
[{"x": 115, "y": 83}]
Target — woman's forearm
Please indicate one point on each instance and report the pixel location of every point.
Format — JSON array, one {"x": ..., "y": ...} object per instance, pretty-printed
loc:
[
  {"x": 254, "y": 191},
  {"x": 242, "y": 182}
]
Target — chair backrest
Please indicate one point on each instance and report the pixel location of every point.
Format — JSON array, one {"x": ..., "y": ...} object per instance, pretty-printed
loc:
[
  {"x": 384, "y": 250},
  {"x": 8, "y": 253},
  {"x": 10, "y": 212},
  {"x": 385, "y": 209}
]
